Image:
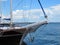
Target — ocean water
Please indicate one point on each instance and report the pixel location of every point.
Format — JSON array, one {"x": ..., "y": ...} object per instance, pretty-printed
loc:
[{"x": 45, "y": 35}]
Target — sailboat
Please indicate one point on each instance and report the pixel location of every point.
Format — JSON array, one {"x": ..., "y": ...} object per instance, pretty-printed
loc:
[{"x": 16, "y": 35}]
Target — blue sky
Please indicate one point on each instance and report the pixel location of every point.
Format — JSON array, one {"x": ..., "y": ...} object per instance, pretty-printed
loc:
[{"x": 29, "y": 10}]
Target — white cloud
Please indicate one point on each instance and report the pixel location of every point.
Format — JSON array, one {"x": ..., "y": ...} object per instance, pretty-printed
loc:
[
  {"x": 52, "y": 12},
  {"x": 55, "y": 16},
  {"x": 19, "y": 14},
  {"x": 33, "y": 14},
  {"x": 56, "y": 9}
]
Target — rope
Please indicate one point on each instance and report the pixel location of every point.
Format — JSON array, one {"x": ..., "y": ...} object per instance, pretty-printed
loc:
[{"x": 31, "y": 37}]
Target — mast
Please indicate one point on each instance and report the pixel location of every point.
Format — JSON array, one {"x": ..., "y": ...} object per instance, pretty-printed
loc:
[
  {"x": 0, "y": 10},
  {"x": 10, "y": 13}
]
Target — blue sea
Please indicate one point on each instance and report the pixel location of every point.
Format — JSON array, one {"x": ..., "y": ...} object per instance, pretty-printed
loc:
[{"x": 45, "y": 35}]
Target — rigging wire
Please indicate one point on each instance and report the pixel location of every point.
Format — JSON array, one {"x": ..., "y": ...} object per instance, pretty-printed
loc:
[
  {"x": 42, "y": 9},
  {"x": 18, "y": 4},
  {"x": 33, "y": 35},
  {"x": 29, "y": 13},
  {"x": 0, "y": 11},
  {"x": 23, "y": 11},
  {"x": 30, "y": 38},
  {"x": 20, "y": 1}
]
